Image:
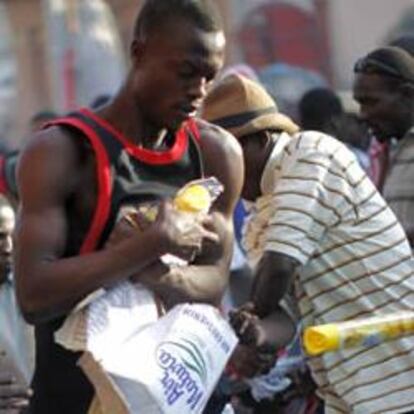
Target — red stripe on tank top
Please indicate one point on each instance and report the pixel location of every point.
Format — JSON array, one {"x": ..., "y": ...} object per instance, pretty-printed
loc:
[
  {"x": 191, "y": 125},
  {"x": 103, "y": 172},
  {"x": 143, "y": 154}
]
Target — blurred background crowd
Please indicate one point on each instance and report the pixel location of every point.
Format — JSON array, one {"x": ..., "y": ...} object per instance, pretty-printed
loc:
[{"x": 51, "y": 51}]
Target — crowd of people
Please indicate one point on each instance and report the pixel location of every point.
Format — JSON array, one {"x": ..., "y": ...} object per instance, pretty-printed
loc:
[{"x": 315, "y": 213}]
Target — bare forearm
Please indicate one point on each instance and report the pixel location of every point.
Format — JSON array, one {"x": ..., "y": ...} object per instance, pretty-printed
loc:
[
  {"x": 194, "y": 283},
  {"x": 52, "y": 287}
]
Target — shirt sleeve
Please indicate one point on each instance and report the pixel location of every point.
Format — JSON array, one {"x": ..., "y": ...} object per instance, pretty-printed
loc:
[{"x": 307, "y": 199}]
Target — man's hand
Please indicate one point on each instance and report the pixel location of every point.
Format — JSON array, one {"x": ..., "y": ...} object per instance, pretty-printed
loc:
[
  {"x": 248, "y": 361},
  {"x": 255, "y": 355},
  {"x": 251, "y": 330},
  {"x": 13, "y": 397},
  {"x": 183, "y": 233}
]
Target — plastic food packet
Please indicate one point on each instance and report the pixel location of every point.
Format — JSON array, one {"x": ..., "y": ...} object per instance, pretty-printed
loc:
[
  {"x": 363, "y": 332},
  {"x": 196, "y": 197}
]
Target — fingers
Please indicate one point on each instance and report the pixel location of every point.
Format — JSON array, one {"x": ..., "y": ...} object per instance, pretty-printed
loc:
[
  {"x": 246, "y": 326},
  {"x": 210, "y": 236}
]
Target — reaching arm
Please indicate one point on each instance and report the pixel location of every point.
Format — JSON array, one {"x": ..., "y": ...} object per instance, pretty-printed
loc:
[
  {"x": 273, "y": 276},
  {"x": 51, "y": 171},
  {"x": 206, "y": 278}
]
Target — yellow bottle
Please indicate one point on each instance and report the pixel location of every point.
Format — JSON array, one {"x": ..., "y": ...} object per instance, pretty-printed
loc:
[
  {"x": 362, "y": 332},
  {"x": 198, "y": 196},
  {"x": 193, "y": 199}
]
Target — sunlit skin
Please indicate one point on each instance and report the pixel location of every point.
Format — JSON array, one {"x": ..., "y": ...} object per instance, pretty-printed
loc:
[
  {"x": 386, "y": 107},
  {"x": 172, "y": 71},
  {"x": 256, "y": 151}
]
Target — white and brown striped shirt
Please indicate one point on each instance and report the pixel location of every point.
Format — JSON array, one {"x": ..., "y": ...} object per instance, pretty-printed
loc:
[{"x": 319, "y": 207}]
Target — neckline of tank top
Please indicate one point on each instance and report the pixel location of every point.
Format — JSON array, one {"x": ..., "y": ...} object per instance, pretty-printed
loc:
[{"x": 143, "y": 154}]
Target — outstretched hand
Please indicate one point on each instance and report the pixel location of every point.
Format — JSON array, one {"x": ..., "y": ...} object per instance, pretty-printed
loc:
[
  {"x": 256, "y": 354},
  {"x": 182, "y": 233}
]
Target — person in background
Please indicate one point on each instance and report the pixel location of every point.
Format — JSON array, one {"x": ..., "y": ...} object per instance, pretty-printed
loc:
[
  {"x": 9, "y": 159},
  {"x": 320, "y": 228},
  {"x": 76, "y": 176},
  {"x": 267, "y": 388},
  {"x": 320, "y": 109},
  {"x": 379, "y": 150},
  {"x": 384, "y": 88},
  {"x": 13, "y": 396}
]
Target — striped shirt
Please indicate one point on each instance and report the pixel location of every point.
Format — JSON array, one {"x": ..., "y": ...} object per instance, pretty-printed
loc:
[
  {"x": 398, "y": 187},
  {"x": 319, "y": 207}
]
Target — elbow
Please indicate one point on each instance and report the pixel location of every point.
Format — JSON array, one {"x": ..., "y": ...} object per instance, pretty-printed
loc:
[
  {"x": 29, "y": 310},
  {"x": 31, "y": 304},
  {"x": 34, "y": 314},
  {"x": 30, "y": 317}
]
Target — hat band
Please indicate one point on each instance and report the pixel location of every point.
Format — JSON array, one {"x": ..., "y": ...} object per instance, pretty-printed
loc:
[{"x": 234, "y": 121}]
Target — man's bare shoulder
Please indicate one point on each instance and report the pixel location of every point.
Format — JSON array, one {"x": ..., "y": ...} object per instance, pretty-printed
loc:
[
  {"x": 223, "y": 158},
  {"x": 219, "y": 139},
  {"x": 53, "y": 139},
  {"x": 52, "y": 157}
]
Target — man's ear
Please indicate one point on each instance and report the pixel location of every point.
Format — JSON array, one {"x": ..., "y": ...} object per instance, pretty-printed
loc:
[{"x": 137, "y": 50}]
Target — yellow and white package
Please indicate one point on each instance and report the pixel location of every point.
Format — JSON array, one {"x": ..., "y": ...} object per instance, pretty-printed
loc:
[
  {"x": 360, "y": 332},
  {"x": 195, "y": 198}
]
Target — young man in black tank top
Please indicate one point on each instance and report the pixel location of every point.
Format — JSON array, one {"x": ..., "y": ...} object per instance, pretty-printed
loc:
[{"x": 68, "y": 178}]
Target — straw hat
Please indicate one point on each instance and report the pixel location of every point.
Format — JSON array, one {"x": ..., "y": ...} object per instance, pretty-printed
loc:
[{"x": 243, "y": 107}]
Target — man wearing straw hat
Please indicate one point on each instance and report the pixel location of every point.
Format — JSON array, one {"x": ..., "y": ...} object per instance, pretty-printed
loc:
[{"x": 319, "y": 226}]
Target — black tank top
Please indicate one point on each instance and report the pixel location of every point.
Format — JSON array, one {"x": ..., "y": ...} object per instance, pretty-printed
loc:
[{"x": 126, "y": 174}]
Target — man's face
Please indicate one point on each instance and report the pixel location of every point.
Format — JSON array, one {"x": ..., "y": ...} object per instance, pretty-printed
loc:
[
  {"x": 172, "y": 71},
  {"x": 6, "y": 229},
  {"x": 382, "y": 107},
  {"x": 255, "y": 153}
]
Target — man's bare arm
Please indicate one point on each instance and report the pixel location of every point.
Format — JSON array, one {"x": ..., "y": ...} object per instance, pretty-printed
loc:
[
  {"x": 205, "y": 280},
  {"x": 273, "y": 277},
  {"x": 47, "y": 284}
]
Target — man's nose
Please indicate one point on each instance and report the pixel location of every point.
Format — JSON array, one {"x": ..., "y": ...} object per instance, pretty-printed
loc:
[{"x": 198, "y": 88}]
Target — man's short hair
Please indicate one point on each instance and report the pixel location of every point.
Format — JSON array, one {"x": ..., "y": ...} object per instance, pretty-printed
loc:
[
  {"x": 391, "y": 62},
  {"x": 318, "y": 107},
  {"x": 155, "y": 13}
]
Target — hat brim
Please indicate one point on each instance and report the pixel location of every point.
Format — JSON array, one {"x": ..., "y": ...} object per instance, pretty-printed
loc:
[{"x": 274, "y": 122}]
